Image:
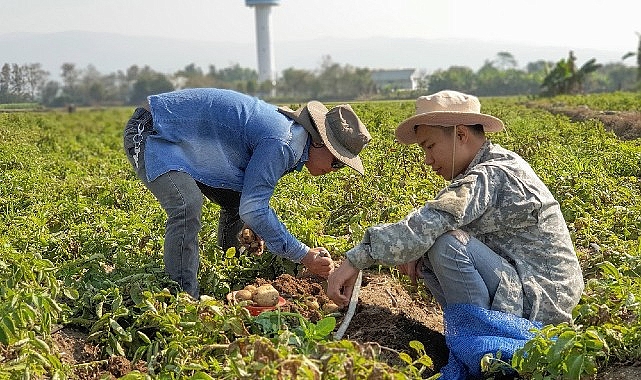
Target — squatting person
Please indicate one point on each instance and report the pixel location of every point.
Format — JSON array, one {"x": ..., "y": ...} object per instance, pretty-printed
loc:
[{"x": 495, "y": 237}]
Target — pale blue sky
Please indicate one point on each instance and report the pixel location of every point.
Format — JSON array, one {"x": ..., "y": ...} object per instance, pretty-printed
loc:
[{"x": 610, "y": 25}]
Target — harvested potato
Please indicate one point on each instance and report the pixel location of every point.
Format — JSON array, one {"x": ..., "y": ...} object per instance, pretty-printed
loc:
[
  {"x": 330, "y": 307},
  {"x": 312, "y": 303},
  {"x": 266, "y": 295},
  {"x": 243, "y": 295},
  {"x": 251, "y": 289}
]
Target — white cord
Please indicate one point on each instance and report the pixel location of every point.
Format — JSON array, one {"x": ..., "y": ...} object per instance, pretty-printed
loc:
[{"x": 453, "y": 152}]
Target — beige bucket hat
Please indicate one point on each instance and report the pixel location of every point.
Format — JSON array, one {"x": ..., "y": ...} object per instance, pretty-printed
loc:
[
  {"x": 339, "y": 129},
  {"x": 446, "y": 108}
]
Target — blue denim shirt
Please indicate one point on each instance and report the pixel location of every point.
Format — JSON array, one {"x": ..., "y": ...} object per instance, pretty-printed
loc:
[{"x": 230, "y": 140}]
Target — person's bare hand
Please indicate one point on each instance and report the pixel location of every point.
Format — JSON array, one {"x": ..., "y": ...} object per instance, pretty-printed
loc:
[
  {"x": 318, "y": 261},
  {"x": 412, "y": 269},
  {"x": 340, "y": 283}
]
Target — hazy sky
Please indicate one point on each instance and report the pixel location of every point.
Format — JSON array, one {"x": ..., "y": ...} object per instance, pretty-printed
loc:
[{"x": 610, "y": 24}]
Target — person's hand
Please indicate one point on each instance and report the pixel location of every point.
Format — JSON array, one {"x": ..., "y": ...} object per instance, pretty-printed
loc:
[
  {"x": 250, "y": 242},
  {"x": 412, "y": 269},
  {"x": 318, "y": 261},
  {"x": 340, "y": 283}
]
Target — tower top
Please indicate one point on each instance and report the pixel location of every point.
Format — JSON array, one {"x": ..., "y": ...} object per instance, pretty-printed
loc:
[{"x": 251, "y": 3}]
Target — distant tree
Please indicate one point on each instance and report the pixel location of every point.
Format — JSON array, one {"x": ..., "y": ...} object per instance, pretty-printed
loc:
[
  {"x": 192, "y": 76},
  {"x": 565, "y": 78},
  {"x": 536, "y": 73},
  {"x": 296, "y": 83},
  {"x": 17, "y": 84},
  {"x": 5, "y": 81},
  {"x": 505, "y": 60},
  {"x": 35, "y": 78},
  {"x": 116, "y": 88},
  {"x": 132, "y": 73},
  {"x": 639, "y": 59},
  {"x": 70, "y": 79},
  {"x": 457, "y": 78},
  {"x": 149, "y": 82},
  {"x": 506, "y": 79},
  {"x": 338, "y": 82},
  {"x": 489, "y": 80},
  {"x": 638, "y": 55},
  {"x": 49, "y": 95},
  {"x": 611, "y": 77},
  {"x": 93, "y": 88},
  {"x": 539, "y": 66},
  {"x": 190, "y": 70},
  {"x": 330, "y": 80}
]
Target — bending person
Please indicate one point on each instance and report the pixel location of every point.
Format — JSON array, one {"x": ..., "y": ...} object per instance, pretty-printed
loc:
[{"x": 233, "y": 148}]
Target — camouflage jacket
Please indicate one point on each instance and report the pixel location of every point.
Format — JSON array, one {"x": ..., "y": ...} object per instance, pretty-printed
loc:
[{"x": 501, "y": 201}]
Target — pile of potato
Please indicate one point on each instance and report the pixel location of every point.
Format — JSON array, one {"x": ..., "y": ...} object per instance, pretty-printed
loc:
[{"x": 264, "y": 295}]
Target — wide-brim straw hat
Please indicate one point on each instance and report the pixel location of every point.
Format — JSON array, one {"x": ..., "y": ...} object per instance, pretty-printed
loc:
[
  {"x": 446, "y": 108},
  {"x": 339, "y": 129}
]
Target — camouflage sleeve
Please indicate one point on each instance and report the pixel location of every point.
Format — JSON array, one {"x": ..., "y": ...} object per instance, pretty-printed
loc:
[
  {"x": 467, "y": 198},
  {"x": 397, "y": 243}
]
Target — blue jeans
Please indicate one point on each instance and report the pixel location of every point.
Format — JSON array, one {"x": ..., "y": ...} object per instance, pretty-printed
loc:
[
  {"x": 459, "y": 269},
  {"x": 182, "y": 199}
]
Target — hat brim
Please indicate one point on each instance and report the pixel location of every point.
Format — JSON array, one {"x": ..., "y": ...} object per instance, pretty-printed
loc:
[
  {"x": 318, "y": 112},
  {"x": 406, "y": 134}
]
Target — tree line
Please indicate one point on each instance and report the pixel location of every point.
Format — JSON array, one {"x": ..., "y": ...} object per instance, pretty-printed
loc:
[{"x": 330, "y": 82}]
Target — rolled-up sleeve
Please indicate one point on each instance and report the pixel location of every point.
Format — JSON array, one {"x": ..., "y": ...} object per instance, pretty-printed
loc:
[
  {"x": 270, "y": 160},
  {"x": 401, "y": 242},
  {"x": 409, "y": 239}
]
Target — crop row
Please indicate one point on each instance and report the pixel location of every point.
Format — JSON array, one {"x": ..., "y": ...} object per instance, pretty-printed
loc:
[{"x": 81, "y": 246}]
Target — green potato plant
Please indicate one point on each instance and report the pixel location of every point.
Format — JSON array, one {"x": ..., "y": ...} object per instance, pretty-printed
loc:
[{"x": 81, "y": 247}]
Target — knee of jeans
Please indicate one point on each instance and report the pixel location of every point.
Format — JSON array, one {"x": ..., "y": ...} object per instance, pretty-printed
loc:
[
  {"x": 194, "y": 204},
  {"x": 444, "y": 244},
  {"x": 188, "y": 206}
]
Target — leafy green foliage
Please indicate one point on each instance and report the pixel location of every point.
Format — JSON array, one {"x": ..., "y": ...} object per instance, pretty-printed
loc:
[
  {"x": 561, "y": 352},
  {"x": 565, "y": 78},
  {"x": 81, "y": 245}
]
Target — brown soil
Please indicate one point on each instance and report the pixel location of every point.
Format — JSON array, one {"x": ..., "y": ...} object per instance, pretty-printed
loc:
[
  {"x": 389, "y": 311},
  {"x": 86, "y": 359},
  {"x": 624, "y": 124}
]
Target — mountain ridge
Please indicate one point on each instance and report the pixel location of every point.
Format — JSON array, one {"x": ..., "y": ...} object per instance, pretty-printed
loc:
[{"x": 110, "y": 52}]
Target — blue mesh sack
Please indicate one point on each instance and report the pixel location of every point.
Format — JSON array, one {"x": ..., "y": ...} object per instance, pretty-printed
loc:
[{"x": 472, "y": 331}]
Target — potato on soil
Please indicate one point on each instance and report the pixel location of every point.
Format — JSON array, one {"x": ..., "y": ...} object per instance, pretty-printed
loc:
[
  {"x": 312, "y": 303},
  {"x": 330, "y": 307},
  {"x": 266, "y": 295}
]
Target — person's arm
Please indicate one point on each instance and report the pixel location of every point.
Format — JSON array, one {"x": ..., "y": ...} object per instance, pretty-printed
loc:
[
  {"x": 398, "y": 243},
  {"x": 409, "y": 239},
  {"x": 271, "y": 158}
]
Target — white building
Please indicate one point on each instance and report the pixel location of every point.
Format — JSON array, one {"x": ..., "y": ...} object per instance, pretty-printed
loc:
[{"x": 401, "y": 79}]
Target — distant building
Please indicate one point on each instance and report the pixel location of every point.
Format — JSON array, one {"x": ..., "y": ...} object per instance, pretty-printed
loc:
[{"x": 402, "y": 79}]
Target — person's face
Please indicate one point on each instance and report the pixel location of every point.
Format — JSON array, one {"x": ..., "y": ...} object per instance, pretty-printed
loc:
[
  {"x": 438, "y": 145},
  {"x": 321, "y": 160}
]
